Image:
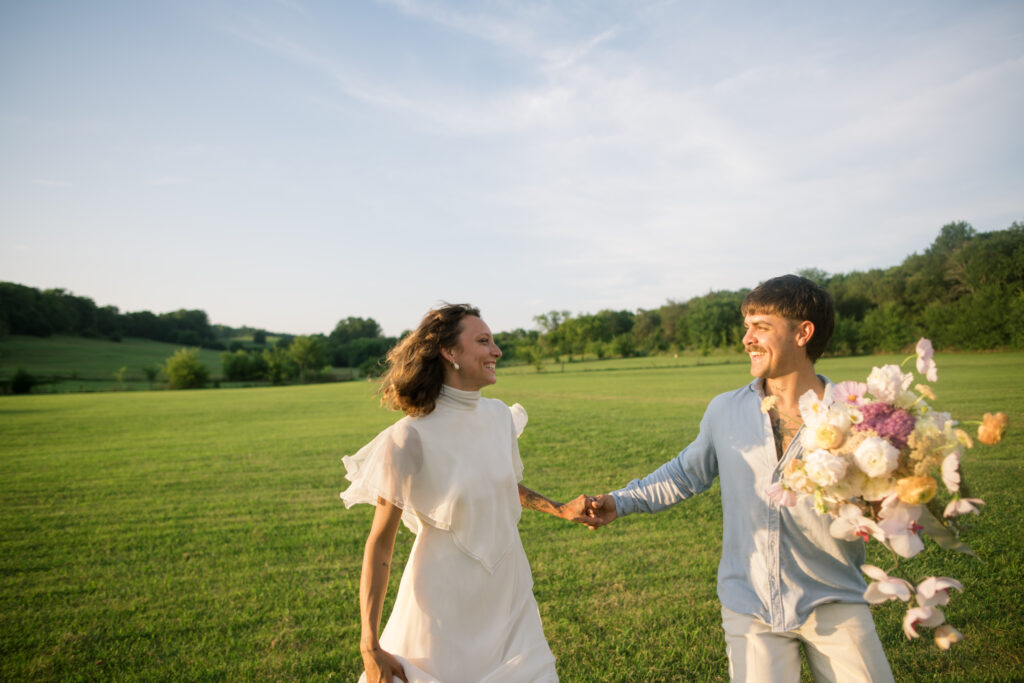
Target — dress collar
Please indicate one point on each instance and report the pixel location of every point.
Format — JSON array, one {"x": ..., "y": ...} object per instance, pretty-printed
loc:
[{"x": 457, "y": 398}]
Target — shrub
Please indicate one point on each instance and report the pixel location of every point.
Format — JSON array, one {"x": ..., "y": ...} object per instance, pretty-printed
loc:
[
  {"x": 184, "y": 371},
  {"x": 22, "y": 382}
]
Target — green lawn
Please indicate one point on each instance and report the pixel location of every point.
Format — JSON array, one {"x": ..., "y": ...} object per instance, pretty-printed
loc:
[{"x": 199, "y": 536}]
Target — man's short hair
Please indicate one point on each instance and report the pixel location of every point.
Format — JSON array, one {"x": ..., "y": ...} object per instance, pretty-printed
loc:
[{"x": 797, "y": 299}]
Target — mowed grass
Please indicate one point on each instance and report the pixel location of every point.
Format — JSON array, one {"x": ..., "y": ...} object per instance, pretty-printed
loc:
[{"x": 199, "y": 535}]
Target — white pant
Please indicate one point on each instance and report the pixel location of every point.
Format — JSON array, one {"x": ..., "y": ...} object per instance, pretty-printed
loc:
[{"x": 839, "y": 640}]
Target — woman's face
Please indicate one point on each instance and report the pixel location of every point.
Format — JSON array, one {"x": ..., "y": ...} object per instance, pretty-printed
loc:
[{"x": 476, "y": 354}]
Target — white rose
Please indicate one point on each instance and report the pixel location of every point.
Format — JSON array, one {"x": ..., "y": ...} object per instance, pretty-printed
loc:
[
  {"x": 888, "y": 382},
  {"x": 823, "y": 468},
  {"x": 876, "y": 489},
  {"x": 876, "y": 457}
]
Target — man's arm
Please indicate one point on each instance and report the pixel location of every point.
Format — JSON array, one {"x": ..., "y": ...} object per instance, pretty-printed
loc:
[{"x": 689, "y": 473}]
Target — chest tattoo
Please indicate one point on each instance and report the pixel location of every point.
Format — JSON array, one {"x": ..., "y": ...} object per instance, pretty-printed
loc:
[{"x": 783, "y": 431}]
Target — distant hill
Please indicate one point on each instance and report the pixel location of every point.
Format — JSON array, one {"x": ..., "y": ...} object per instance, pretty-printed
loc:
[{"x": 68, "y": 363}]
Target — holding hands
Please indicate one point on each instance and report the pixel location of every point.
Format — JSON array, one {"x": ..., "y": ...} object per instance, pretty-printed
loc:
[{"x": 591, "y": 511}]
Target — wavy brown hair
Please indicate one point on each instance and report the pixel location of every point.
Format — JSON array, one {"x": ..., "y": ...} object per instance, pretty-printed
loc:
[
  {"x": 415, "y": 371},
  {"x": 796, "y": 299}
]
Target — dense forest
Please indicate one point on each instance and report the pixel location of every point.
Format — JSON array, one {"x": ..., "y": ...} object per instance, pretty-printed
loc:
[{"x": 965, "y": 291}]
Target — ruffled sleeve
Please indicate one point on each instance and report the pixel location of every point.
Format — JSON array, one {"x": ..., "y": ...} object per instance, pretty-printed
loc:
[
  {"x": 519, "y": 420},
  {"x": 392, "y": 467}
]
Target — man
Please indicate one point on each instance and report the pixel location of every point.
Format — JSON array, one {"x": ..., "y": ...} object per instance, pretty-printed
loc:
[{"x": 784, "y": 582}]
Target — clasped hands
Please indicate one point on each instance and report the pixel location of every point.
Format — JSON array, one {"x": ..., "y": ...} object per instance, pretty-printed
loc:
[{"x": 591, "y": 511}]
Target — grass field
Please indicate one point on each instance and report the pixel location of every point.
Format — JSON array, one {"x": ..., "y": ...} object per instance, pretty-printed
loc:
[{"x": 198, "y": 535}]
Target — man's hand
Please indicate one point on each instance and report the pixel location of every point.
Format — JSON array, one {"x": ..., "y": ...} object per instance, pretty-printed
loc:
[{"x": 602, "y": 511}]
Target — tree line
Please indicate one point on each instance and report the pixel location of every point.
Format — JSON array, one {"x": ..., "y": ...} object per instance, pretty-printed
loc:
[{"x": 965, "y": 291}]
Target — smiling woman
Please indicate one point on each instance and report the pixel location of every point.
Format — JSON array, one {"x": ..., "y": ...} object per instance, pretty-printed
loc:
[{"x": 450, "y": 470}]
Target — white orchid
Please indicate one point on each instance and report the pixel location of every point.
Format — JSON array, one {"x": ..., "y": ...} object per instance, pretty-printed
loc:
[
  {"x": 899, "y": 523},
  {"x": 851, "y": 524},
  {"x": 885, "y": 587},
  {"x": 962, "y": 506},
  {"x": 924, "y": 616},
  {"x": 935, "y": 590}
]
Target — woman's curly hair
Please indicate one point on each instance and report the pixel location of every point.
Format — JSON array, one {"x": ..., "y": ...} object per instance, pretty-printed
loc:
[{"x": 415, "y": 371}]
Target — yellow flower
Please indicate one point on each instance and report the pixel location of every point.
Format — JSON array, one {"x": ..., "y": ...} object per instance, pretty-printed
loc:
[
  {"x": 925, "y": 391},
  {"x": 828, "y": 436},
  {"x": 946, "y": 635},
  {"x": 916, "y": 490},
  {"x": 768, "y": 402},
  {"x": 992, "y": 427},
  {"x": 964, "y": 438}
]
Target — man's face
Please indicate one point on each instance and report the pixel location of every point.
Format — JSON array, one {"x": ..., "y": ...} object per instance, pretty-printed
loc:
[{"x": 771, "y": 343}]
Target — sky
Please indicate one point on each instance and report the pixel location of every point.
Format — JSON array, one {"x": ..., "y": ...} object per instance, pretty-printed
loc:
[{"x": 285, "y": 164}]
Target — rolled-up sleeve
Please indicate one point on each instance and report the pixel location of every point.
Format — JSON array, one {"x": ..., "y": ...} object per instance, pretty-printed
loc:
[{"x": 689, "y": 473}]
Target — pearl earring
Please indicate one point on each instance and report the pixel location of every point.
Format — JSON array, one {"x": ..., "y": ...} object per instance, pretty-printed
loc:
[{"x": 456, "y": 365}]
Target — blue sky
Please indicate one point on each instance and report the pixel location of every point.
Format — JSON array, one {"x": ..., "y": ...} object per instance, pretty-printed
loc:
[{"x": 285, "y": 164}]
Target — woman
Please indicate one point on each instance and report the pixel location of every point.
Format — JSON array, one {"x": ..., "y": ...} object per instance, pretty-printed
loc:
[{"x": 449, "y": 470}]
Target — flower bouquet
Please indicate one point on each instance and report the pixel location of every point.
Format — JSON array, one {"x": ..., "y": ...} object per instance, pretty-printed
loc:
[{"x": 875, "y": 453}]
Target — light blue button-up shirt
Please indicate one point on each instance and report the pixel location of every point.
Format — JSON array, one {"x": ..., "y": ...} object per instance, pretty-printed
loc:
[{"x": 778, "y": 563}]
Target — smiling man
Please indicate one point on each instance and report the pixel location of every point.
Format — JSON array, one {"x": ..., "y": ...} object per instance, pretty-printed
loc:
[{"x": 784, "y": 582}]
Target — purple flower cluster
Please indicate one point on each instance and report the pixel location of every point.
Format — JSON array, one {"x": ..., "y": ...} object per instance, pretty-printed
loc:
[{"x": 890, "y": 422}]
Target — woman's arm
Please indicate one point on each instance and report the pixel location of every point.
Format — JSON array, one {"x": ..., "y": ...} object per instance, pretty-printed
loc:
[
  {"x": 575, "y": 510},
  {"x": 373, "y": 585}
]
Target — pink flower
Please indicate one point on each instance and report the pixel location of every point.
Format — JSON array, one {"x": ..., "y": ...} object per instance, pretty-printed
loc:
[
  {"x": 851, "y": 524},
  {"x": 935, "y": 590},
  {"x": 925, "y": 364},
  {"x": 961, "y": 506},
  {"x": 925, "y": 616},
  {"x": 888, "y": 421},
  {"x": 951, "y": 472},
  {"x": 851, "y": 392},
  {"x": 781, "y": 495},
  {"x": 884, "y": 587}
]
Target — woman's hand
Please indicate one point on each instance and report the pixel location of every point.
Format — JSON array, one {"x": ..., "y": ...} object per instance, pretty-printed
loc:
[
  {"x": 381, "y": 666},
  {"x": 577, "y": 510}
]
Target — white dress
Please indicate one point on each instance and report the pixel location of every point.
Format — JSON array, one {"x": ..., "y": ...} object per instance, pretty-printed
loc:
[{"x": 465, "y": 610}]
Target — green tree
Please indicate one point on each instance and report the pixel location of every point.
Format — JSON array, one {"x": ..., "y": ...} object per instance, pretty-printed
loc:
[
  {"x": 714, "y": 320},
  {"x": 309, "y": 353},
  {"x": 280, "y": 366},
  {"x": 185, "y": 371},
  {"x": 885, "y": 328},
  {"x": 354, "y": 328},
  {"x": 533, "y": 355},
  {"x": 151, "y": 372}
]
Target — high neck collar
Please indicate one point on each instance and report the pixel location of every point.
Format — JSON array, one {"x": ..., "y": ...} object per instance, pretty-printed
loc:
[{"x": 457, "y": 398}]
